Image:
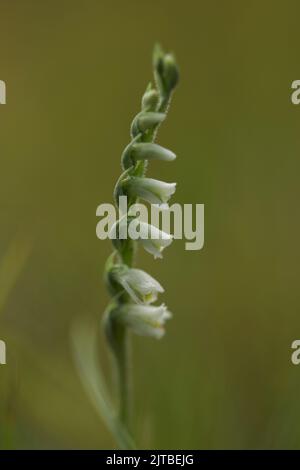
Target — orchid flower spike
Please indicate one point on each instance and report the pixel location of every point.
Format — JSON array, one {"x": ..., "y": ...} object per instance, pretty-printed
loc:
[{"x": 132, "y": 290}]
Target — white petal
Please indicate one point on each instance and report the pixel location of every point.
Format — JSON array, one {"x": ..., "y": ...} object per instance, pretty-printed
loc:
[
  {"x": 143, "y": 280},
  {"x": 152, "y": 249}
]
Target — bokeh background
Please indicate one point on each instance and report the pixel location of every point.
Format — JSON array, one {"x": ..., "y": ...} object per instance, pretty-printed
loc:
[{"x": 75, "y": 71}]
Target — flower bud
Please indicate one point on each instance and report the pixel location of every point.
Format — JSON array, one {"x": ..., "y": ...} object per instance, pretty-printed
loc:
[
  {"x": 150, "y": 151},
  {"x": 171, "y": 73},
  {"x": 144, "y": 121},
  {"x": 150, "y": 100},
  {"x": 166, "y": 71},
  {"x": 144, "y": 151}
]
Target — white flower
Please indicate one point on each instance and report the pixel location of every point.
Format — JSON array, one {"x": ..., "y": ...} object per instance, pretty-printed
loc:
[
  {"x": 151, "y": 238},
  {"x": 145, "y": 320},
  {"x": 151, "y": 190},
  {"x": 142, "y": 287}
]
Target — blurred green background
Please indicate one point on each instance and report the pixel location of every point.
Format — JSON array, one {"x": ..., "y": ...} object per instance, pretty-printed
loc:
[{"x": 75, "y": 72}]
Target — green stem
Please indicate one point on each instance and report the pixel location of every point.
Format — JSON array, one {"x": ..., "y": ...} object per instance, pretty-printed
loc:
[
  {"x": 125, "y": 380},
  {"x": 124, "y": 362},
  {"x": 122, "y": 355}
]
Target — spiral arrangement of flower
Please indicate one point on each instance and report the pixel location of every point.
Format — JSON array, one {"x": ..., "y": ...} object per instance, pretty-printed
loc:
[{"x": 133, "y": 290}]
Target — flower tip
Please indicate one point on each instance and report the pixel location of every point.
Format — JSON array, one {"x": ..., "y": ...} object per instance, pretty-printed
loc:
[{"x": 170, "y": 155}]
